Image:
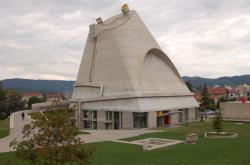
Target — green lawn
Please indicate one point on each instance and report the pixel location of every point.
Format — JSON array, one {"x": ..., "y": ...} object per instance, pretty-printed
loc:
[
  {"x": 205, "y": 152},
  {"x": 4, "y": 128}
]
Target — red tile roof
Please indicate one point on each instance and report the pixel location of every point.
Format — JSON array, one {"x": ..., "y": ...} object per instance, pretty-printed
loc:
[
  {"x": 217, "y": 91},
  {"x": 197, "y": 96}
]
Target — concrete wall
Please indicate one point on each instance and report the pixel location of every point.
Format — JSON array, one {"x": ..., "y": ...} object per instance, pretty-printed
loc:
[
  {"x": 78, "y": 118},
  {"x": 38, "y": 106},
  {"x": 141, "y": 104},
  {"x": 174, "y": 117},
  {"x": 127, "y": 120},
  {"x": 152, "y": 119},
  {"x": 48, "y": 104},
  {"x": 81, "y": 121},
  {"x": 192, "y": 114},
  {"x": 101, "y": 118},
  {"x": 236, "y": 110}
]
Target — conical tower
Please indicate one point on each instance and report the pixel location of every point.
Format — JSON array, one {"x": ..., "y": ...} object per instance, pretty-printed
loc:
[{"x": 123, "y": 69}]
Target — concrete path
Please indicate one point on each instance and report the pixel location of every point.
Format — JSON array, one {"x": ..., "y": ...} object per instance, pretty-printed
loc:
[
  {"x": 16, "y": 125},
  {"x": 111, "y": 135}
]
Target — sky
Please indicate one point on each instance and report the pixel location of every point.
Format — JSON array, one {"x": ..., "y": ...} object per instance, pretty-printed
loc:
[{"x": 44, "y": 39}]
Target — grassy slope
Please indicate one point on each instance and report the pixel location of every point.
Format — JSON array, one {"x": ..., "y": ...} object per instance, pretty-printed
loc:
[
  {"x": 4, "y": 128},
  {"x": 206, "y": 152}
]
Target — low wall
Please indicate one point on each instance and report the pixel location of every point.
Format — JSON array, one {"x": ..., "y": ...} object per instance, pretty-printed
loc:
[
  {"x": 236, "y": 111},
  {"x": 41, "y": 105},
  {"x": 44, "y": 105}
]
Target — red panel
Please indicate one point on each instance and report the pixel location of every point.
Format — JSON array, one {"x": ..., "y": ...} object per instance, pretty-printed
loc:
[{"x": 166, "y": 120}]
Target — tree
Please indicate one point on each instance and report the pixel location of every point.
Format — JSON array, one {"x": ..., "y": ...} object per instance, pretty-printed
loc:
[
  {"x": 204, "y": 99},
  {"x": 2, "y": 93},
  {"x": 222, "y": 99},
  {"x": 34, "y": 100},
  {"x": 3, "y": 115},
  {"x": 206, "y": 102},
  {"x": 189, "y": 85},
  {"x": 51, "y": 140},
  {"x": 217, "y": 122},
  {"x": 13, "y": 102}
]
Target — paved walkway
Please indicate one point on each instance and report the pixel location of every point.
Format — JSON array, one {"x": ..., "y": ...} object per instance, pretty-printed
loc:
[
  {"x": 111, "y": 135},
  {"x": 16, "y": 125}
]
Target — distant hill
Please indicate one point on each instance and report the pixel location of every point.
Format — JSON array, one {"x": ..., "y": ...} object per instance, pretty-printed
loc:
[
  {"x": 46, "y": 86},
  {"x": 198, "y": 82}
]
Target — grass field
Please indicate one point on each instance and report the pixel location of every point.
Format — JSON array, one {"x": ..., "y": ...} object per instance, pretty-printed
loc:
[
  {"x": 205, "y": 152},
  {"x": 4, "y": 128}
]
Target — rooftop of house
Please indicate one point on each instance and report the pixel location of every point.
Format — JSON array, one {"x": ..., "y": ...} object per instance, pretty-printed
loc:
[
  {"x": 217, "y": 91},
  {"x": 32, "y": 94},
  {"x": 55, "y": 95}
]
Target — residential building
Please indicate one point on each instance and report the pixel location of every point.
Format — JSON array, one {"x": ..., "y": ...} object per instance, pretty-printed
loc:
[
  {"x": 55, "y": 97},
  {"x": 216, "y": 93},
  {"x": 233, "y": 94},
  {"x": 244, "y": 91},
  {"x": 27, "y": 95}
]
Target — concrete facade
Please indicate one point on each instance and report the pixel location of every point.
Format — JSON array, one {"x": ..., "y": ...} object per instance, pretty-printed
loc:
[
  {"x": 125, "y": 72},
  {"x": 152, "y": 119},
  {"x": 127, "y": 120},
  {"x": 101, "y": 118}
]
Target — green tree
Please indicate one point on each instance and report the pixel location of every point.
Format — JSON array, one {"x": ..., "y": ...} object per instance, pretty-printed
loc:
[
  {"x": 34, "y": 100},
  {"x": 13, "y": 102},
  {"x": 217, "y": 122},
  {"x": 2, "y": 93},
  {"x": 189, "y": 85},
  {"x": 206, "y": 102},
  {"x": 3, "y": 115},
  {"x": 52, "y": 140},
  {"x": 222, "y": 99}
]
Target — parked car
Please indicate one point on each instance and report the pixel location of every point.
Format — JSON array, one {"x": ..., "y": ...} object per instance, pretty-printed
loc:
[{"x": 208, "y": 114}]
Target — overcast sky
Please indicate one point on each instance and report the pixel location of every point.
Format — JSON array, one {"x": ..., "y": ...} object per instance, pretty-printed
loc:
[{"x": 44, "y": 39}]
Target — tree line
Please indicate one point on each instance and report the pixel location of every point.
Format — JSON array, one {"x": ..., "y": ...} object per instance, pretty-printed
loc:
[{"x": 10, "y": 101}]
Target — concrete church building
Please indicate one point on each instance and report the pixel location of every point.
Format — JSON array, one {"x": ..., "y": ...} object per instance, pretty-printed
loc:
[{"x": 126, "y": 81}]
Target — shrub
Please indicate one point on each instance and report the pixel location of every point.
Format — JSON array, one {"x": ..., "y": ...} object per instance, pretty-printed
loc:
[{"x": 217, "y": 122}]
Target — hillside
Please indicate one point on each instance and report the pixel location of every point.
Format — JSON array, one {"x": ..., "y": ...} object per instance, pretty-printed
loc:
[
  {"x": 198, "y": 82},
  {"x": 46, "y": 86}
]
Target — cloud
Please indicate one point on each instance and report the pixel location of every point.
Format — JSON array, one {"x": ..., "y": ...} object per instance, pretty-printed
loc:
[{"x": 45, "y": 39}]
